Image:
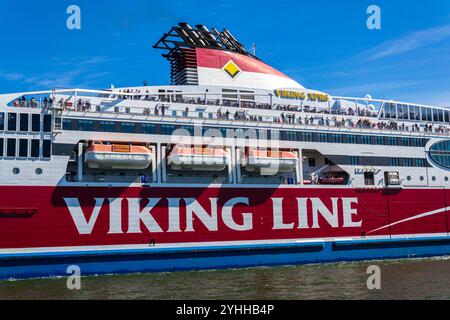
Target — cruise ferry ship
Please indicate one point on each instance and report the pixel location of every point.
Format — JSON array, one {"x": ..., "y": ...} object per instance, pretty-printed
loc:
[{"x": 233, "y": 164}]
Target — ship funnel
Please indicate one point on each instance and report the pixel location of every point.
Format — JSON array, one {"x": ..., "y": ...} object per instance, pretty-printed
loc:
[
  {"x": 185, "y": 28},
  {"x": 209, "y": 37},
  {"x": 185, "y": 25},
  {"x": 233, "y": 40}
]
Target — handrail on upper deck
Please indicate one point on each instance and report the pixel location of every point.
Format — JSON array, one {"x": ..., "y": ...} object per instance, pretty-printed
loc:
[{"x": 115, "y": 92}]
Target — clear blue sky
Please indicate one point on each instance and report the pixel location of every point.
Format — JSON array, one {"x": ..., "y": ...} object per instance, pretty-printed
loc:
[{"x": 323, "y": 44}]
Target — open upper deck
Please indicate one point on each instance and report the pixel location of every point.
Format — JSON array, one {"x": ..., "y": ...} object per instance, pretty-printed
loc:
[{"x": 237, "y": 104}]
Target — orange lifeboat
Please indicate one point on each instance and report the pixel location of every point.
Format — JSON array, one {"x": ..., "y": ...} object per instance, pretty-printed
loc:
[
  {"x": 200, "y": 159},
  {"x": 117, "y": 156},
  {"x": 282, "y": 161}
]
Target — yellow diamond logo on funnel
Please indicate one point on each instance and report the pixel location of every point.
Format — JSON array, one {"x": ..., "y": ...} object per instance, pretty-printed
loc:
[{"x": 232, "y": 69}]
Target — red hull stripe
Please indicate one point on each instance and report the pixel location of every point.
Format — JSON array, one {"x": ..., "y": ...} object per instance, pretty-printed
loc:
[
  {"x": 217, "y": 59},
  {"x": 100, "y": 216}
]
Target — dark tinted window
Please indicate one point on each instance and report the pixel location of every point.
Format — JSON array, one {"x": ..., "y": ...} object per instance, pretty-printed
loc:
[
  {"x": 47, "y": 149},
  {"x": 128, "y": 127},
  {"x": 36, "y": 122},
  {"x": 47, "y": 123},
  {"x": 148, "y": 128},
  {"x": 107, "y": 126},
  {"x": 23, "y": 122},
  {"x": 35, "y": 148},
  {"x": 86, "y": 125},
  {"x": 23, "y": 148},
  {"x": 369, "y": 178},
  {"x": 67, "y": 124},
  {"x": 1, "y": 147},
  {"x": 2, "y": 121},
  {"x": 11, "y": 148},
  {"x": 12, "y": 122}
]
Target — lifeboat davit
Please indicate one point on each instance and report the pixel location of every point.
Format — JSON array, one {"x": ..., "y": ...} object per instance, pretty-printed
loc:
[
  {"x": 200, "y": 159},
  {"x": 282, "y": 161},
  {"x": 117, "y": 156}
]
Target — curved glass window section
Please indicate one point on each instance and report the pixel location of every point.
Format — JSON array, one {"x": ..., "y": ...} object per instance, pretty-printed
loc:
[{"x": 440, "y": 154}]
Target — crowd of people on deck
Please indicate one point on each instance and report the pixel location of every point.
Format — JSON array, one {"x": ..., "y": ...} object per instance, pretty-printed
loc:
[
  {"x": 23, "y": 102},
  {"x": 322, "y": 117}
]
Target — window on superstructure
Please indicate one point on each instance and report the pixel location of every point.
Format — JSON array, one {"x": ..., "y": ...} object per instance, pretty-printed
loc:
[
  {"x": 391, "y": 141},
  {"x": 336, "y": 138},
  {"x": 408, "y": 162},
  {"x": 12, "y": 121},
  {"x": 23, "y": 127},
  {"x": 230, "y": 97},
  {"x": 36, "y": 122},
  {"x": 23, "y": 148},
  {"x": 441, "y": 115},
  {"x": 67, "y": 124},
  {"x": 86, "y": 125},
  {"x": 11, "y": 148},
  {"x": 128, "y": 127},
  {"x": 353, "y": 160},
  {"x": 394, "y": 162},
  {"x": 404, "y": 110},
  {"x": 366, "y": 139},
  {"x": 428, "y": 114},
  {"x": 2, "y": 121},
  {"x": 406, "y": 142},
  {"x": 322, "y": 137},
  {"x": 167, "y": 129},
  {"x": 306, "y": 136},
  {"x": 1, "y": 146},
  {"x": 186, "y": 131},
  {"x": 387, "y": 110},
  {"x": 414, "y": 113},
  {"x": 148, "y": 128},
  {"x": 435, "y": 115},
  {"x": 107, "y": 126},
  {"x": 47, "y": 123},
  {"x": 392, "y": 110},
  {"x": 312, "y": 162},
  {"x": 35, "y": 148},
  {"x": 46, "y": 148},
  {"x": 247, "y": 95},
  {"x": 292, "y": 136},
  {"x": 379, "y": 140},
  {"x": 352, "y": 139}
]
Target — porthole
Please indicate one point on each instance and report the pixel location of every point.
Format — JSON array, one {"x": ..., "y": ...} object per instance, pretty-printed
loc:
[
  {"x": 16, "y": 170},
  {"x": 433, "y": 178},
  {"x": 408, "y": 178},
  {"x": 446, "y": 178},
  {"x": 38, "y": 171},
  {"x": 421, "y": 178}
]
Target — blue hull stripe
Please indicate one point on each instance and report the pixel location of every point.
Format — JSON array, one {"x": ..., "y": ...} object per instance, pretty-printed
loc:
[{"x": 32, "y": 265}]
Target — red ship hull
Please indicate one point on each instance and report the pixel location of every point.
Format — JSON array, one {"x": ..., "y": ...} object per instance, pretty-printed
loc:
[{"x": 37, "y": 220}]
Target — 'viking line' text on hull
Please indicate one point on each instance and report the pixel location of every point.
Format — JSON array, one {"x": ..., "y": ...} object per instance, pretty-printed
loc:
[{"x": 140, "y": 212}]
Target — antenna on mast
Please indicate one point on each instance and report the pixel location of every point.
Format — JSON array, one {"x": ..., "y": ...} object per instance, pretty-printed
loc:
[{"x": 254, "y": 49}]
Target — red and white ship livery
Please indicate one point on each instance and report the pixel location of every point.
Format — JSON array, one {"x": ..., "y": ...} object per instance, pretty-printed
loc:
[{"x": 232, "y": 165}]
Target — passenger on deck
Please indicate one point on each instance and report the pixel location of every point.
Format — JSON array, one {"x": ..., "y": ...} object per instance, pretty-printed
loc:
[
  {"x": 23, "y": 102},
  {"x": 33, "y": 103}
]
